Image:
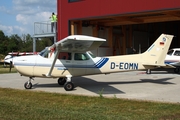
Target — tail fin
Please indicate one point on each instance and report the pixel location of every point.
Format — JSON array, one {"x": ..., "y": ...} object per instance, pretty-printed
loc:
[{"x": 156, "y": 53}]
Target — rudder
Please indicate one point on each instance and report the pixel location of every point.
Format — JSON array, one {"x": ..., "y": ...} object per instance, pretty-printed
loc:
[{"x": 156, "y": 53}]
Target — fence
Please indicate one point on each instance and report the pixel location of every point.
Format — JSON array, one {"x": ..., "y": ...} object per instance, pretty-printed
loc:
[{"x": 43, "y": 28}]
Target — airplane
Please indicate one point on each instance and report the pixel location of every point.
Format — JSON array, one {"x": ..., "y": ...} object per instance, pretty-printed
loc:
[
  {"x": 173, "y": 58},
  {"x": 9, "y": 58},
  {"x": 71, "y": 57}
]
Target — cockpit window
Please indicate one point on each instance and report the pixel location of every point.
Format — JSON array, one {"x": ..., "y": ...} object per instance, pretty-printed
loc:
[
  {"x": 170, "y": 52},
  {"x": 81, "y": 56},
  {"x": 45, "y": 52},
  {"x": 91, "y": 54}
]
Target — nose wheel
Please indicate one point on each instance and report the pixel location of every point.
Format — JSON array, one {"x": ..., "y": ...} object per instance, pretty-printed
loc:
[{"x": 28, "y": 84}]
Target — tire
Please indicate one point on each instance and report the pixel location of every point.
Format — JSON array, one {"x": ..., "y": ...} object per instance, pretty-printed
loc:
[
  {"x": 69, "y": 86},
  {"x": 61, "y": 81},
  {"x": 176, "y": 70},
  {"x": 28, "y": 85}
]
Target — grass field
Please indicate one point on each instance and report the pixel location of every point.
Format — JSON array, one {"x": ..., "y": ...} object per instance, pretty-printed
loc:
[
  {"x": 6, "y": 69},
  {"x": 31, "y": 105}
]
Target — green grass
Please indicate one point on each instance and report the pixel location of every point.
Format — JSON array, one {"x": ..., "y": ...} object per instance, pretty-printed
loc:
[
  {"x": 30, "y": 105},
  {"x": 7, "y": 69}
]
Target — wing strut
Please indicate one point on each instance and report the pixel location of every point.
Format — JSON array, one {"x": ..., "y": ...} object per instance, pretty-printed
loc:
[{"x": 53, "y": 63}]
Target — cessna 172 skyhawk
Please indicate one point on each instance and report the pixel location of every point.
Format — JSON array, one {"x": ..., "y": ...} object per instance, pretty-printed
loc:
[{"x": 70, "y": 57}]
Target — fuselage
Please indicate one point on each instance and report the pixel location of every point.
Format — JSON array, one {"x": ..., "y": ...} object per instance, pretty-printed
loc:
[{"x": 86, "y": 64}]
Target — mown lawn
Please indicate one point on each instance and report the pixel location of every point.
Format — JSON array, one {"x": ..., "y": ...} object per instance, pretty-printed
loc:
[
  {"x": 6, "y": 69},
  {"x": 30, "y": 105}
]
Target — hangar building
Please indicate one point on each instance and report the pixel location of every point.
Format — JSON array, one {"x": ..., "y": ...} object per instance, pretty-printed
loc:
[{"x": 123, "y": 23}]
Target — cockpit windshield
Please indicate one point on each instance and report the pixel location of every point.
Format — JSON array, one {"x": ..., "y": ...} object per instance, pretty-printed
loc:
[
  {"x": 45, "y": 52},
  {"x": 170, "y": 52},
  {"x": 91, "y": 54}
]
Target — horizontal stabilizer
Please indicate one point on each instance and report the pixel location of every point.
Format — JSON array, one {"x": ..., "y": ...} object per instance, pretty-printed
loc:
[
  {"x": 155, "y": 65},
  {"x": 159, "y": 65}
]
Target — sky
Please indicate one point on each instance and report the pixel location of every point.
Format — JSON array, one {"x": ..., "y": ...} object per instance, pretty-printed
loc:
[{"x": 18, "y": 16}]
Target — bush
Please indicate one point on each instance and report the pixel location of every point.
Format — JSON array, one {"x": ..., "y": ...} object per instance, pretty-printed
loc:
[{"x": 2, "y": 57}]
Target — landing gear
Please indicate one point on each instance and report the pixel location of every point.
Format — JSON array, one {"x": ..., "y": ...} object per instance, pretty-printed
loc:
[
  {"x": 68, "y": 85},
  {"x": 28, "y": 84},
  {"x": 66, "y": 81},
  {"x": 177, "y": 69},
  {"x": 61, "y": 81},
  {"x": 148, "y": 71}
]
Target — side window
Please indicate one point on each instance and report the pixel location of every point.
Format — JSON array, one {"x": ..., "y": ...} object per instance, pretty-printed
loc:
[
  {"x": 177, "y": 53},
  {"x": 64, "y": 56},
  {"x": 81, "y": 56}
]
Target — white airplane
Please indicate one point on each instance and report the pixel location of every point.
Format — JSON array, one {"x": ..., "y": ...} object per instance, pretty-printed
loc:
[
  {"x": 9, "y": 58},
  {"x": 70, "y": 57},
  {"x": 173, "y": 58}
]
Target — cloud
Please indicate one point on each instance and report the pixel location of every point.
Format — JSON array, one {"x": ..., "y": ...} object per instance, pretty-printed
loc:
[
  {"x": 5, "y": 10},
  {"x": 34, "y": 6},
  {"x": 9, "y": 30},
  {"x": 22, "y": 19},
  {"x": 25, "y": 13}
]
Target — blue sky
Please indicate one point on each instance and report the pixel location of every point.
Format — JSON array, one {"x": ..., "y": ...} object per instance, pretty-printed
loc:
[{"x": 18, "y": 16}]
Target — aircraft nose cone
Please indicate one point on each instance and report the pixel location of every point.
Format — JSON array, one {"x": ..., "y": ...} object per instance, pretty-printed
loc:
[{"x": 24, "y": 64}]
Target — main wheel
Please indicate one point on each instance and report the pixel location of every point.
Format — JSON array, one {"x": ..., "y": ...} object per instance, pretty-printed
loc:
[
  {"x": 61, "y": 81},
  {"x": 28, "y": 85},
  {"x": 69, "y": 86}
]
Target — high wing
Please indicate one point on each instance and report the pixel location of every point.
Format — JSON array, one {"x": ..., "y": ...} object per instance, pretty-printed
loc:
[{"x": 79, "y": 43}]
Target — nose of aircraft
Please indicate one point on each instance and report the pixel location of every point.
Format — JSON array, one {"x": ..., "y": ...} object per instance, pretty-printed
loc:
[
  {"x": 25, "y": 64},
  {"x": 24, "y": 60}
]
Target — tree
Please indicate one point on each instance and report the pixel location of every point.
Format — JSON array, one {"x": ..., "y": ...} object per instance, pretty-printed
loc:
[
  {"x": 3, "y": 43},
  {"x": 27, "y": 43},
  {"x": 44, "y": 42},
  {"x": 15, "y": 43}
]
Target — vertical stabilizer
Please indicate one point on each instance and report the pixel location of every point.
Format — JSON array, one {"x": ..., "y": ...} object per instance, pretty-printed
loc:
[{"x": 156, "y": 53}]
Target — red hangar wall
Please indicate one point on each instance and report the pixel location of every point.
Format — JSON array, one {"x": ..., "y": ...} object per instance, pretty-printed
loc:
[{"x": 120, "y": 22}]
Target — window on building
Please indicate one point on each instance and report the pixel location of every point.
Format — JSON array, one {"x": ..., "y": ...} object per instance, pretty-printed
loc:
[{"x": 74, "y": 0}]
